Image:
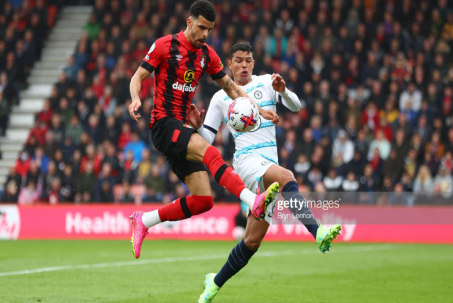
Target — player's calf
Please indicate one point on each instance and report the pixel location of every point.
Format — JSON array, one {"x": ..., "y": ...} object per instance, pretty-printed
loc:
[
  {"x": 229, "y": 179},
  {"x": 238, "y": 258},
  {"x": 290, "y": 190},
  {"x": 255, "y": 232},
  {"x": 185, "y": 207}
]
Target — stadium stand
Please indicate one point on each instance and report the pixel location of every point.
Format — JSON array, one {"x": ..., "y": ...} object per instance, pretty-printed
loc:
[{"x": 375, "y": 79}]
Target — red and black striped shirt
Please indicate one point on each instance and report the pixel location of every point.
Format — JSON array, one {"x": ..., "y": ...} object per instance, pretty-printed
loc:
[{"x": 178, "y": 66}]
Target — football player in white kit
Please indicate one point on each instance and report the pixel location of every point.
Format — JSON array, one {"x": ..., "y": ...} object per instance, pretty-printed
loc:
[{"x": 255, "y": 159}]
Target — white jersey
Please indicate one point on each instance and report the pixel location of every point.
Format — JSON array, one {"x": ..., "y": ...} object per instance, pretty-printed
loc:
[{"x": 261, "y": 141}]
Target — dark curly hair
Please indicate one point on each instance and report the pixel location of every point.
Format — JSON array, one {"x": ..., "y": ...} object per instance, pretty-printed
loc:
[
  {"x": 241, "y": 46},
  {"x": 203, "y": 8}
]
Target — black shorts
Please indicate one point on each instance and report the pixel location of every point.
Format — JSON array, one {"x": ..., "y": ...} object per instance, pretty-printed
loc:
[{"x": 171, "y": 137}]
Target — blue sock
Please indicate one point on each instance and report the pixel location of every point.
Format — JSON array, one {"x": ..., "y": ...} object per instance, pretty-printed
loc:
[
  {"x": 238, "y": 258},
  {"x": 291, "y": 191}
]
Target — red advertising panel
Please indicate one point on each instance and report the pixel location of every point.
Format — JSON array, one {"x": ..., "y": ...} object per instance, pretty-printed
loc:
[{"x": 112, "y": 222}]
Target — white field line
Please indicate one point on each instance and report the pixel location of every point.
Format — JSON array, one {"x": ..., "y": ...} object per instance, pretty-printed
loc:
[{"x": 194, "y": 258}]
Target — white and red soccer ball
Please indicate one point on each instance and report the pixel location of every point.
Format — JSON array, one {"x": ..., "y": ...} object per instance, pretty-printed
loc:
[{"x": 243, "y": 115}]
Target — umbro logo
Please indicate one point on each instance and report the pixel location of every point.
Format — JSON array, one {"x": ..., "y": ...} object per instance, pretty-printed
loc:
[{"x": 179, "y": 57}]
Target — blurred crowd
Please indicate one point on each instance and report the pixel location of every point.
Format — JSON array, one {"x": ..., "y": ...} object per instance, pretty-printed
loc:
[
  {"x": 24, "y": 26},
  {"x": 375, "y": 79}
]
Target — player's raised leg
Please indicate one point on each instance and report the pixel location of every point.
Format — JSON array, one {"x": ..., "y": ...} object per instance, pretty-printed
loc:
[
  {"x": 199, "y": 150},
  {"x": 199, "y": 202}
]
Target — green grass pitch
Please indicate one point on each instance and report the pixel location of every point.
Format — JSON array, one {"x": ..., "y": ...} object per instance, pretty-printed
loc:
[{"x": 173, "y": 271}]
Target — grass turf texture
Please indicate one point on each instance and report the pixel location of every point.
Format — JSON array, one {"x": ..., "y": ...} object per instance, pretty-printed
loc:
[{"x": 279, "y": 272}]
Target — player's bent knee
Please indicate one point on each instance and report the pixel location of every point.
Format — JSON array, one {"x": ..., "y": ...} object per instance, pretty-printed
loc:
[
  {"x": 253, "y": 242},
  {"x": 286, "y": 177},
  {"x": 201, "y": 204}
]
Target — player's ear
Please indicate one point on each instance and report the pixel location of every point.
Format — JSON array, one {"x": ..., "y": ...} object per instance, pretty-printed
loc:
[
  {"x": 189, "y": 23},
  {"x": 253, "y": 64},
  {"x": 229, "y": 63}
]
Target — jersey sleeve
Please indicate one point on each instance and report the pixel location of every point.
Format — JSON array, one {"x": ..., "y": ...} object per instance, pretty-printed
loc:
[
  {"x": 215, "y": 68},
  {"x": 289, "y": 99},
  {"x": 214, "y": 116},
  {"x": 154, "y": 56},
  {"x": 213, "y": 119}
]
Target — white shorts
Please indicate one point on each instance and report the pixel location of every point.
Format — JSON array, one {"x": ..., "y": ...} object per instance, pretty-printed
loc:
[{"x": 251, "y": 168}]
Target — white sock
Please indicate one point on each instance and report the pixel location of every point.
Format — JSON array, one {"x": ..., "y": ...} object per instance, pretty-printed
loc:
[
  {"x": 248, "y": 197},
  {"x": 151, "y": 218}
]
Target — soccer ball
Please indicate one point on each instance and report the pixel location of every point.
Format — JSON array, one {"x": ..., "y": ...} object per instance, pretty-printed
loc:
[{"x": 243, "y": 115}]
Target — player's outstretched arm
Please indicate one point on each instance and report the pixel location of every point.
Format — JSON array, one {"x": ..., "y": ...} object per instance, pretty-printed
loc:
[
  {"x": 135, "y": 88},
  {"x": 196, "y": 120},
  {"x": 234, "y": 91},
  {"x": 289, "y": 99}
]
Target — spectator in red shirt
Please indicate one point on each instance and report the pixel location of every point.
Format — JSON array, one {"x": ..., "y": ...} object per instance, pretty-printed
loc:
[
  {"x": 39, "y": 132},
  {"x": 91, "y": 157},
  {"x": 23, "y": 164},
  {"x": 125, "y": 135},
  {"x": 370, "y": 116},
  {"x": 46, "y": 114}
]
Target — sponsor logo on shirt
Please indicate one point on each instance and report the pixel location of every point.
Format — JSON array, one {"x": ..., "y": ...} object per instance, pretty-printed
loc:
[
  {"x": 189, "y": 75},
  {"x": 184, "y": 88}
]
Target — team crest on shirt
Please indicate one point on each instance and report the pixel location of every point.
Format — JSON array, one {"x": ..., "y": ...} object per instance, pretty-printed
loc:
[
  {"x": 151, "y": 49},
  {"x": 189, "y": 75},
  {"x": 202, "y": 61},
  {"x": 258, "y": 94}
]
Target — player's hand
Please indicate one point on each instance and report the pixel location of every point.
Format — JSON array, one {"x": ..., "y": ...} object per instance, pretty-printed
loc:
[
  {"x": 269, "y": 114},
  {"x": 278, "y": 84},
  {"x": 195, "y": 117},
  {"x": 135, "y": 105}
]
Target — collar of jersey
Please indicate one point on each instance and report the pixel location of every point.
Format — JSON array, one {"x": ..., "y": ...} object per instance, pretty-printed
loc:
[{"x": 183, "y": 40}]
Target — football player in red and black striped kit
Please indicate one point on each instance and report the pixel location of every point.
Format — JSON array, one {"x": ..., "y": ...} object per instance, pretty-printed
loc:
[{"x": 178, "y": 62}]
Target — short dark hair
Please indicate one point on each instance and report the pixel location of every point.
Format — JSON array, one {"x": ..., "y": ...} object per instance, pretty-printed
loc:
[
  {"x": 241, "y": 46},
  {"x": 203, "y": 8}
]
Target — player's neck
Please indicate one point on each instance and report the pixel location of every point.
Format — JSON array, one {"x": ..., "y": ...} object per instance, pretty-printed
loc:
[
  {"x": 188, "y": 37},
  {"x": 243, "y": 83}
]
